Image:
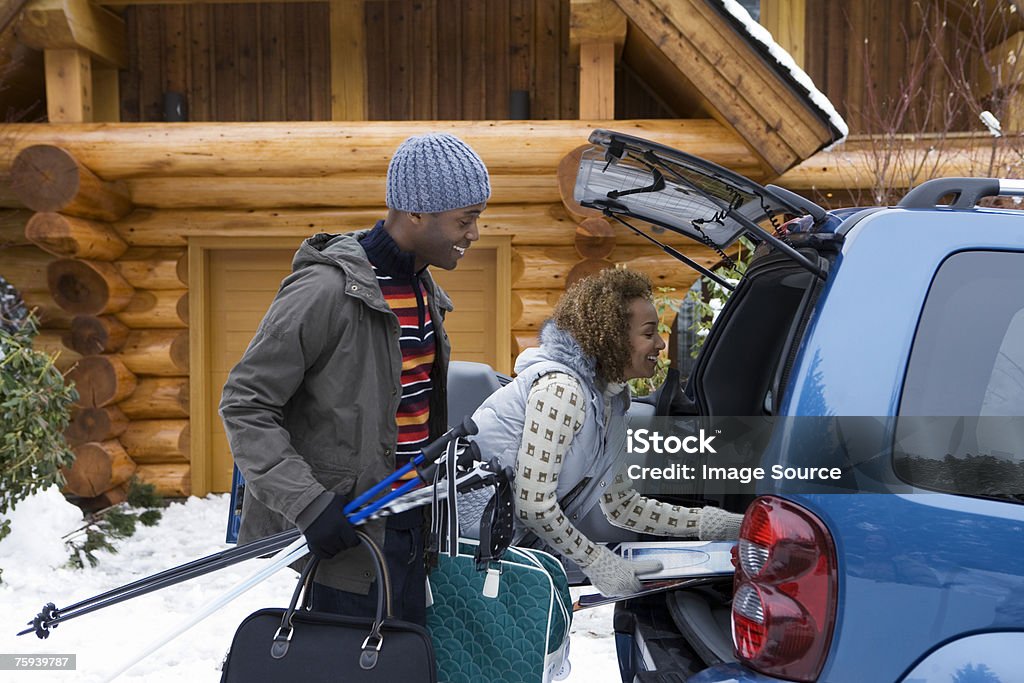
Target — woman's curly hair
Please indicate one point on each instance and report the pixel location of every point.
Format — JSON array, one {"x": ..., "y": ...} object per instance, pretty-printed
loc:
[{"x": 595, "y": 311}]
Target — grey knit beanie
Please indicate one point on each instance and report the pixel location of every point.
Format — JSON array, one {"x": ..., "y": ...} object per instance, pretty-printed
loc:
[{"x": 436, "y": 172}]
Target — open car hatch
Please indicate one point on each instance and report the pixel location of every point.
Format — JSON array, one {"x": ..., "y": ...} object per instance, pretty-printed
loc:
[{"x": 625, "y": 176}]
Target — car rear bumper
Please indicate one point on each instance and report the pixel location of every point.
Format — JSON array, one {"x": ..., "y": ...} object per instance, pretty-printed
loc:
[{"x": 731, "y": 673}]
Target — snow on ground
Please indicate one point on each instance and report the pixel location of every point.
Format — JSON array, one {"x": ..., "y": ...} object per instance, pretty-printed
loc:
[{"x": 31, "y": 558}]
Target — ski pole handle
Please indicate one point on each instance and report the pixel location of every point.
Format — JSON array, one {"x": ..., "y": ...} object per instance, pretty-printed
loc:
[
  {"x": 468, "y": 456},
  {"x": 433, "y": 450},
  {"x": 429, "y": 454}
]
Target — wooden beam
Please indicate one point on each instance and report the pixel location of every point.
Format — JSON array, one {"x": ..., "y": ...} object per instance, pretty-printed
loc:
[
  {"x": 596, "y": 21},
  {"x": 349, "y": 190},
  {"x": 348, "y": 60},
  {"x": 525, "y": 224},
  {"x": 311, "y": 149},
  {"x": 744, "y": 91},
  {"x": 786, "y": 21},
  {"x": 598, "y": 29},
  {"x": 856, "y": 165},
  {"x": 75, "y": 24},
  {"x": 68, "y": 86},
  {"x": 597, "y": 81}
]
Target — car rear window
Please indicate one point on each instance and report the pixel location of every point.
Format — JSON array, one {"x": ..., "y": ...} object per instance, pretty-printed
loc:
[{"x": 961, "y": 428}]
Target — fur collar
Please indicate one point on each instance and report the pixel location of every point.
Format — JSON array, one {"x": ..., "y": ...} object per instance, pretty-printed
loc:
[{"x": 558, "y": 345}]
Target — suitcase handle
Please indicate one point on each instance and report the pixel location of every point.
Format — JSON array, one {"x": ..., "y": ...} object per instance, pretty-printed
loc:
[{"x": 371, "y": 646}]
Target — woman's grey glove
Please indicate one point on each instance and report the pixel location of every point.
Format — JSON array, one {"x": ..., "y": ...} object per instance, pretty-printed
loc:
[
  {"x": 614, "y": 576},
  {"x": 716, "y": 524}
]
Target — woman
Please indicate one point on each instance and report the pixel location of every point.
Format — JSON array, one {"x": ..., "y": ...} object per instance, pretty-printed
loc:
[{"x": 562, "y": 423}]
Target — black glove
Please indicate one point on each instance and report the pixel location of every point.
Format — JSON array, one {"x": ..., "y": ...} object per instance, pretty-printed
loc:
[{"x": 330, "y": 532}]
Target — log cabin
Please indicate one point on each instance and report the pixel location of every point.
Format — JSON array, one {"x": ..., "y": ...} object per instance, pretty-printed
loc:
[{"x": 168, "y": 156}]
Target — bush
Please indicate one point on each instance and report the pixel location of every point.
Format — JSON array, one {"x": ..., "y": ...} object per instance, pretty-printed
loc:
[
  {"x": 34, "y": 409},
  {"x": 710, "y": 297},
  {"x": 117, "y": 522}
]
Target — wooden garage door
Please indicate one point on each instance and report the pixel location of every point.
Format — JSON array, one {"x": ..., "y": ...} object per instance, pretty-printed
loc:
[{"x": 242, "y": 283}]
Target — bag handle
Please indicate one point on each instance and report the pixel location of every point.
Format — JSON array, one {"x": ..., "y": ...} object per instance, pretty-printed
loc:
[
  {"x": 373, "y": 642},
  {"x": 444, "y": 529},
  {"x": 497, "y": 523}
]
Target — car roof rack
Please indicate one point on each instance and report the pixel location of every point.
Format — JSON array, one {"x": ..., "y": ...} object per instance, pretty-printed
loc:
[
  {"x": 623, "y": 175},
  {"x": 965, "y": 192}
]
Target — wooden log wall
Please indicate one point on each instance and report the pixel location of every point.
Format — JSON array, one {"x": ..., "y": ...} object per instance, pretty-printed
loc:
[
  {"x": 112, "y": 314},
  {"x": 116, "y": 287}
]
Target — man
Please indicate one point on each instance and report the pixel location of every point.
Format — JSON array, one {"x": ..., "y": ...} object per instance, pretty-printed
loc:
[{"x": 345, "y": 377}]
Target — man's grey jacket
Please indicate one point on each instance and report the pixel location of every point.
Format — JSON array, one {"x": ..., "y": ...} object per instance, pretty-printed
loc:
[{"x": 310, "y": 408}]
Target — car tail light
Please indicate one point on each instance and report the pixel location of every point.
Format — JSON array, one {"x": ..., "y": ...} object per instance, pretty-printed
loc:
[{"x": 783, "y": 607}]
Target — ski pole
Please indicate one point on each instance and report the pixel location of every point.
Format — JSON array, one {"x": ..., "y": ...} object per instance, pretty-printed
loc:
[
  {"x": 50, "y": 616},
  {"x": 282, "y": 559},
  {"x": 428, "y": 455}
]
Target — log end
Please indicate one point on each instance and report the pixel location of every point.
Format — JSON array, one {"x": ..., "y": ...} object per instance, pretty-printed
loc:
[
  {"x": 114, "y": 496},
  {"x": 98, "y": 467},
  {"x": 92, "y": 335},
  {"x": 182, "y": 308},
  {"x": 595, "y": 238},
  {"x": 45, "y": 177},
  {"x": 180, "y": 351},
  {"x": 101, "y": 381},
  {"x": 74, "y": 237},
  {"x": 568, "y": 167},
  {"x": 87, "y": 288},
  {"x": 586, "y": 268},
  {"x": 181, "y": 268},
  {"x": 522, "y": 340},
  {"x": 170, "y": 480},
  {"x": 95, "y": 424}
]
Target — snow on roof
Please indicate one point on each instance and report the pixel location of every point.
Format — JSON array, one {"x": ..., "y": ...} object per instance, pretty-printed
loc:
[{"x": 761, "y": 35}]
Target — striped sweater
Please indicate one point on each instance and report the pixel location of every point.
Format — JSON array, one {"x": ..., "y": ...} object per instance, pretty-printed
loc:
[{"x": 406, "y": 294}]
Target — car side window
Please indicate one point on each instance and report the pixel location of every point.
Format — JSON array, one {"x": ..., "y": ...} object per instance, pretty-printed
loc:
[
  {"x": 961, "y": 415},
  {"x": 1004, "y": 394}
]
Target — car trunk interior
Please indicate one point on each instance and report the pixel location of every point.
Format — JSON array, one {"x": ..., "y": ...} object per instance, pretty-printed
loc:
[{"x": 735, "y": 377}]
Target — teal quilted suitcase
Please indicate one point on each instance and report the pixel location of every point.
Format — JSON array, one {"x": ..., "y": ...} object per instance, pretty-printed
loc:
[{"x": 519, "y": 636}]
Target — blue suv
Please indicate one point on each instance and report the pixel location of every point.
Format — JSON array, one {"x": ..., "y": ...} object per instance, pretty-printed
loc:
[{"x": 901, "y": 329}]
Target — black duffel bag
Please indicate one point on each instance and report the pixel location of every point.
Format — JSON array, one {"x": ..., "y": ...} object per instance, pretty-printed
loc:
[{"x": 275, "y": 644}]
